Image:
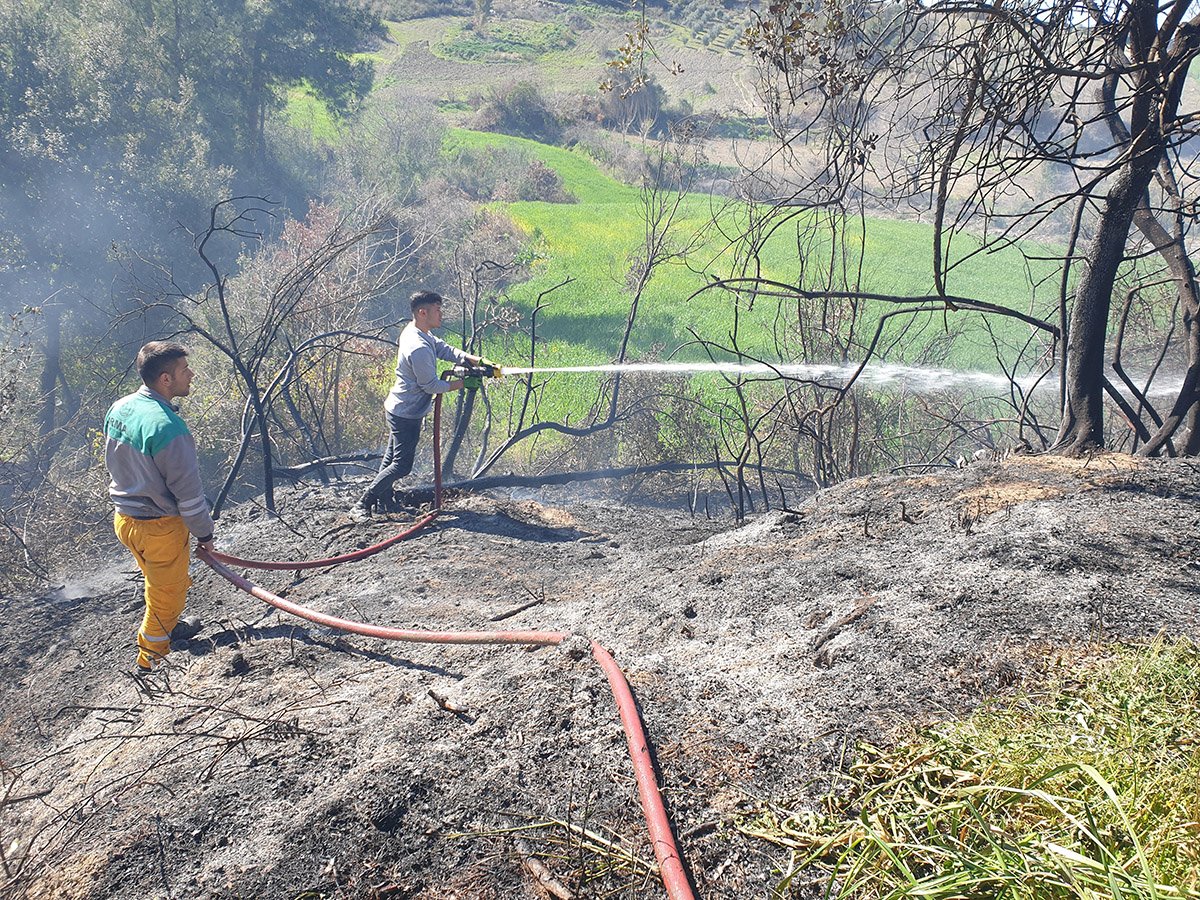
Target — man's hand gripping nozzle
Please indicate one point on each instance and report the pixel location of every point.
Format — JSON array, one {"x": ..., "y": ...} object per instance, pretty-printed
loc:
[{"x": 472, "y": 375}]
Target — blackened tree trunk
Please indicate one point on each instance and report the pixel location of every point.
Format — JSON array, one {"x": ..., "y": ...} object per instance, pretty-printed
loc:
[
  {"x": 461, "y": 422},
  {"x": 958, "y": 104},
  {"x": 49, "y": 437},
  {"x": 255, "y": 104},
  {"x": 1173, "y": 250},
  {"x": 1082, "y": 427}
]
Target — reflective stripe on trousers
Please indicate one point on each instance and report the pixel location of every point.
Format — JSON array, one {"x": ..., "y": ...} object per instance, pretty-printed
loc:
[{"x": 162, "y": 550}]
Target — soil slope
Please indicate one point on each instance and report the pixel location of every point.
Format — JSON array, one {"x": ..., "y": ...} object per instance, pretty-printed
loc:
[{"x": 281, "y": 759}]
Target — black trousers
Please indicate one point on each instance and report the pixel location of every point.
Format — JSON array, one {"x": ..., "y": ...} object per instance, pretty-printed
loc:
[{"x": 397, "y": 459}]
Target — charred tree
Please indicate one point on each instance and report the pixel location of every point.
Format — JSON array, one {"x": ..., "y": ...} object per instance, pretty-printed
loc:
[
  {"x": 1010, "y": 123},
  {"x": 253, "y": 329}
]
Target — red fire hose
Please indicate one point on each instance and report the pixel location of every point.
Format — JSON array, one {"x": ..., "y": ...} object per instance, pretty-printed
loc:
[
  {"x": 366, "y": 551},
  {"x": 670, "y": 863},
  {"x": 330, "y": 560},
  {"x": 547, "y": 638}
]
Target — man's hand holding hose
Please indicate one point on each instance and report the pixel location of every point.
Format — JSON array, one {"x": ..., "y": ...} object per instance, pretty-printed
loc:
[{"x": 476, "y": 369}]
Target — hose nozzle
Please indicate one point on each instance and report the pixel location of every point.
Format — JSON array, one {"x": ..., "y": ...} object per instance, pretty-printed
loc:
[{"x": 482, "y": 370}]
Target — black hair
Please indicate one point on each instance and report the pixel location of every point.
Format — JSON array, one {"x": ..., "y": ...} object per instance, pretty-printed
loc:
[
  {"x": 424, "y": 298},
  {"x": 157, "y": 357}
]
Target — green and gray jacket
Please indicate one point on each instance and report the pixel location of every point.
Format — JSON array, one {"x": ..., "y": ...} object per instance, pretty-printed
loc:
[{"x": 151, "y": 458}]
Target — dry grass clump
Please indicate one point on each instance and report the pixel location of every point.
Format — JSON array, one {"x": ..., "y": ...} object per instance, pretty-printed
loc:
[{"x": 1089, "y": 788}]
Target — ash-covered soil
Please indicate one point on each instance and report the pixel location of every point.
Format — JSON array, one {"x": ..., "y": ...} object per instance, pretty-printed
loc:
[{"x": 281, "y": 759}]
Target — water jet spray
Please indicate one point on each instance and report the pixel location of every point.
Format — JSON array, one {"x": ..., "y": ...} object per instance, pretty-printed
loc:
[{"x": 918, "y": 378}]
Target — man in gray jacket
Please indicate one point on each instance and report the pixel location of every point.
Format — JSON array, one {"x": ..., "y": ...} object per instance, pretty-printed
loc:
[
  {"x": 157, "y": 491},
  {"x": 412, "y": 395}
]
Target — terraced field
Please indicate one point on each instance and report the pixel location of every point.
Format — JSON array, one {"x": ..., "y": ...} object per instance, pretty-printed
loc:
[{"x": 562, "y": 49}]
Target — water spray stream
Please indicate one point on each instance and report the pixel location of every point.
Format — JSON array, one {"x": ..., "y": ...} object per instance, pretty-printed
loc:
[{"x": 917, "y": 378}]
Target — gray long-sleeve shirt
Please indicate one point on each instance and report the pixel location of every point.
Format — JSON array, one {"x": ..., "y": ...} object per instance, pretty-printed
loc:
[
  {"x": 416, "y": 372},
  {"x": 151, "y": 458}
]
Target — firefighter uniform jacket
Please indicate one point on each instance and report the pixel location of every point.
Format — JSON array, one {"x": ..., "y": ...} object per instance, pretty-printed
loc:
[{"x": 151, "y": 457}]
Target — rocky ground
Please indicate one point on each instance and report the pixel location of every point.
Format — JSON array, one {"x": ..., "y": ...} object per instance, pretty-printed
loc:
[{"x": 281, "y": 759}]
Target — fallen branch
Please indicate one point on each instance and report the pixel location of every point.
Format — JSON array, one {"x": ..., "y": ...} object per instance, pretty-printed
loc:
[
  {"x": 860, "y": 607},
  {"x": 543, "y": 876},
  {"x": 537, "y": 597},
  {"x": 450, "y": 706},
  {"x": 508, "y": 614},
  {"x": 297, "y": 472}
]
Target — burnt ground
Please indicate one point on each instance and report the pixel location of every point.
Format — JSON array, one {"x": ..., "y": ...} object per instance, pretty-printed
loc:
[{"x": 281, "y": 759}]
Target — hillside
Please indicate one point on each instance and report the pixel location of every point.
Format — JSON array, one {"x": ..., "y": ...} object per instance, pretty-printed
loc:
[
  {"x": 585, "y": 250},
  {"x": 279, "y": 759},
  {"x": 452, "y": 68},
  {"x": 453, "y": 61},
  {"x": 563, "y": 48}
]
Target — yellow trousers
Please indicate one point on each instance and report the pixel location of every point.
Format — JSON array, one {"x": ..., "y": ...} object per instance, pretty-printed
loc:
[{"x": 162, "y": 548}]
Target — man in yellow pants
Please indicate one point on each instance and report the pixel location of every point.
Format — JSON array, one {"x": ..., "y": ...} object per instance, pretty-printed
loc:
[{"x": 157, "y": 491}]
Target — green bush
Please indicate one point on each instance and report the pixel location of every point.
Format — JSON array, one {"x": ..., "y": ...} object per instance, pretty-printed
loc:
[
  {"x": 518, "y": 109},
  {"x": 506, "y": 174}
]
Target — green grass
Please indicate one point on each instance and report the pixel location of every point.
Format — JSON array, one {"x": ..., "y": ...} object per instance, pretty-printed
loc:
[
  {"x": 1089, "y": 788},
  {"x": 503, "y": 40},
  {"x": 581, "y": 177},
  {"x": 403, "y": 34},
  {"x": 592, "y": 240},
  {"x": 307, "y": 112}
]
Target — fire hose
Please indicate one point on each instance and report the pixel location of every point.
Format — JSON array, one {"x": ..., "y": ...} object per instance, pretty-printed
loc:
[{"x": 670, "y": 864}]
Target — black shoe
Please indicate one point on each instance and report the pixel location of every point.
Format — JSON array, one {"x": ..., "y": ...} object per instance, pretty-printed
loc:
[
  {"x": 150, "y": 682},
  {"x": 399, "y": 503},
  {"x": 186, "y": 628}
]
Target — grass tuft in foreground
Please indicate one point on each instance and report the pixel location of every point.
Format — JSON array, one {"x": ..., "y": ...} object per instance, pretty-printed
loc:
[{"x": 1089, "y": 788}]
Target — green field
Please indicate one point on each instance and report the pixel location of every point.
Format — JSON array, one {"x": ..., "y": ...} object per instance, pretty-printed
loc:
[
  {"x": 505, "y": 40},
  {"x": 306, "y": 112},
  {"x": 592, "y": 241},
  {"x": 552, "y": 52}
]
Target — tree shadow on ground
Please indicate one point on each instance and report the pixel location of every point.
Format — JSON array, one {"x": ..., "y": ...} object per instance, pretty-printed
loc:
[{"x": 501, "y": 524}]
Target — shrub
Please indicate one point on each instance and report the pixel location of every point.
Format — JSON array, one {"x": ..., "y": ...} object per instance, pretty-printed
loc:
[
  {"x": 504, "y": 174},
  {"x": 518, "y": 109},
  {"x": 632, "y": 103}
]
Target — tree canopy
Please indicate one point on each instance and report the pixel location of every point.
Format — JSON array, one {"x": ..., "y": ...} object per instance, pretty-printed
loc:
[{"x": 119, "y": 119}]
